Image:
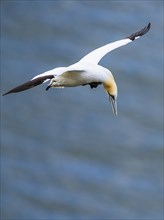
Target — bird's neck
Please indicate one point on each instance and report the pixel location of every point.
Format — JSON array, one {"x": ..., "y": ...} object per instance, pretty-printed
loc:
[{"x": 110, "y": 86}]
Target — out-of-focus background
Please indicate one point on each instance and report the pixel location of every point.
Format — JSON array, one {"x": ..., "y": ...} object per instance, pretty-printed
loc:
[{"x": 64, "y": 155}]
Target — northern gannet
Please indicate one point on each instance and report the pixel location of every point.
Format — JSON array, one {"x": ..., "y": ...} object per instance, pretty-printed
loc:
[{"x": 85, "y": 72}]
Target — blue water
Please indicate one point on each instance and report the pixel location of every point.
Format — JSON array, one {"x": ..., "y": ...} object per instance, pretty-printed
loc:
[{"x": 64, "y": 155}]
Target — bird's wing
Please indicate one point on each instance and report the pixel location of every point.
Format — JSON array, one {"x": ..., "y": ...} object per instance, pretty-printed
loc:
[
  {"x": 30, "y": 84},
  {"x": 37, "y": 80},
  {"x": 96, "y": 55}
]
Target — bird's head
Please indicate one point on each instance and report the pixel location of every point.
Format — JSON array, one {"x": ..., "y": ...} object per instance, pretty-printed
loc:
[{"x": 111, "y": 88}]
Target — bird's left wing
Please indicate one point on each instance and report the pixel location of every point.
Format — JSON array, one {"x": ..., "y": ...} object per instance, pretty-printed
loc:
[
  {"x": 30, "y": 84},
  {"x": 96, "y": 55}
]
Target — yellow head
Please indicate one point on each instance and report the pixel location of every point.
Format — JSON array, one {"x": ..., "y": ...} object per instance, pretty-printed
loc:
[{"x": 111, "y": 88}]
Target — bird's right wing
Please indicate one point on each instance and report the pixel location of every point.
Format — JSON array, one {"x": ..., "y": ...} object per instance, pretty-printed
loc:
[
  {"x": 37, "y": 80},
  {"x": 96, "y": 55},
  {"x": 30, "y": 84}
]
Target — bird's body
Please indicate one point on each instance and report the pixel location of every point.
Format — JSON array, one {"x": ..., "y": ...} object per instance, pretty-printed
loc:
[
  {"x": 85, "y": 72},
  {"x": 77, "y": 74}
]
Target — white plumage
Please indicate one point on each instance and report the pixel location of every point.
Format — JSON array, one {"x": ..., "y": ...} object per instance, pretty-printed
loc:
[{"x": 85, "y": 72}]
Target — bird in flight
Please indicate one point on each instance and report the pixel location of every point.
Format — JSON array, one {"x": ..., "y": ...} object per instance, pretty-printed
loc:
[{"x": 87, "y": 71}]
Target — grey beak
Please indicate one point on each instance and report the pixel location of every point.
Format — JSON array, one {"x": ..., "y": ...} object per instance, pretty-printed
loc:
[{"x": 113, "y": 102}]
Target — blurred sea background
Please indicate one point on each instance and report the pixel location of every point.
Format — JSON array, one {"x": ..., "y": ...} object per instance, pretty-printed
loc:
[{"x": 64, "y": 155}]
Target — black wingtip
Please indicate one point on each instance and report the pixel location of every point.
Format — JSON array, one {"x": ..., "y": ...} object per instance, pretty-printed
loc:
[
  {"x": 140, "y": 33},
  {"x": 28, "y": 85},
  {"x": 6, "y": 93},
  {"x": 149, "y": 25}
]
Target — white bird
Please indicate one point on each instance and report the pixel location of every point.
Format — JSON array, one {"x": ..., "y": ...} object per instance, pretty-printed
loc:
[{"x": 85, "y": 72}]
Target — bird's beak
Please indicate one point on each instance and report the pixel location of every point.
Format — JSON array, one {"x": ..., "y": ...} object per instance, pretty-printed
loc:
[{"x": 113, "y": 102}]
